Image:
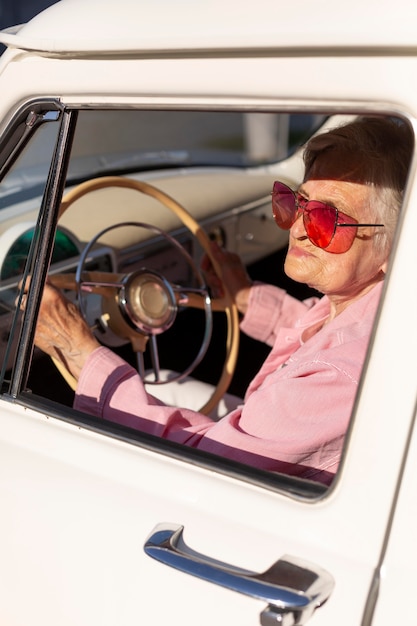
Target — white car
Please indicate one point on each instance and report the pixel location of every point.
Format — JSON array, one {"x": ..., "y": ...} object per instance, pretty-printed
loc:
[{"x": 179, "y": 114}]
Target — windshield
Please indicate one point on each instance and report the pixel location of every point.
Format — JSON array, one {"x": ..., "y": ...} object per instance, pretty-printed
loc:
[{"x": 124, "y": 141}]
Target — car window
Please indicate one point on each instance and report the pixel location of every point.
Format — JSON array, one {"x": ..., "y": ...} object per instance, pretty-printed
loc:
[{"x": 219, "y": 166}]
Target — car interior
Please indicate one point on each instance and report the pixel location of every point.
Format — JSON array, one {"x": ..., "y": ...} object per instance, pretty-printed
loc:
[{"x": 143, "y": 194}]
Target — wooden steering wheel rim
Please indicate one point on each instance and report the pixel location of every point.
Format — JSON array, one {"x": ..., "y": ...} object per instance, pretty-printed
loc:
[{"x": 226, "y": 304}]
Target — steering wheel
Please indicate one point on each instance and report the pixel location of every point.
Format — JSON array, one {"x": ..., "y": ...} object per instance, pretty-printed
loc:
[{"x": 140, "y": 305}]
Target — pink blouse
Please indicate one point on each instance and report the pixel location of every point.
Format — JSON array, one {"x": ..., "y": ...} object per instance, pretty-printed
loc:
[{"x": 297, "y": 408}]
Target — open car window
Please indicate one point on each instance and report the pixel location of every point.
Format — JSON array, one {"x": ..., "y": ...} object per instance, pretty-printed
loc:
[{"x": 220, "y": 167}]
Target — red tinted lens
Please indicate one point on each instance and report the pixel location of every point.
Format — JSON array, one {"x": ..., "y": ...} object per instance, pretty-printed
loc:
[
  {"x": 343, "y": 237},
  {"x": 284, "y": 207},
  {"x": 322, "y": 224}
]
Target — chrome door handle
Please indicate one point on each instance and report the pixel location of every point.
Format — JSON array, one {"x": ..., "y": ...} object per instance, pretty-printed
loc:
[{"x": 292, "y": 588}]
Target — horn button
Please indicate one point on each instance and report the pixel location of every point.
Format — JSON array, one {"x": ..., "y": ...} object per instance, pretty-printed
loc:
[{"x": 147, "y": 302}]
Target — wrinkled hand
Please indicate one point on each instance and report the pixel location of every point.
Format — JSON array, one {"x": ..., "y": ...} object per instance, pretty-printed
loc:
[
  {"x": 234, "y": 276},
  {"x": 61, "y": 331}
]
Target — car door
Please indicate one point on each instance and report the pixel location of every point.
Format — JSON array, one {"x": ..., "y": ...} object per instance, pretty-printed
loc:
[
  {"x": 91, "y": 531},
  {"x": 79, "y": 507}
]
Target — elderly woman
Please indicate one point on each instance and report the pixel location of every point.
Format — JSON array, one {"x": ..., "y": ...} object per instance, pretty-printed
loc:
[{"x": 296, "y": 410}]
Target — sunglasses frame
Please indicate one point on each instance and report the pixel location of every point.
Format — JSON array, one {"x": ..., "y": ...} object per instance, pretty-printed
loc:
[{"x": 302, "y": 208}]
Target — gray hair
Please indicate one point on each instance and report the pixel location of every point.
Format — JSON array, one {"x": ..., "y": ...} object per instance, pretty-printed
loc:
[{"x": 382, "y": 149}]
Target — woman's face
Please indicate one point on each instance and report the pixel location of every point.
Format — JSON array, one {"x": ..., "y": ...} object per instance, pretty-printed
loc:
[{"x": 343, "y": 276}]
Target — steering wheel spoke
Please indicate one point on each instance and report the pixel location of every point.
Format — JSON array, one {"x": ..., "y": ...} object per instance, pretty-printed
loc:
[
  {"x": 196, "y": 299},
  {"x": 99, "y": 283}
]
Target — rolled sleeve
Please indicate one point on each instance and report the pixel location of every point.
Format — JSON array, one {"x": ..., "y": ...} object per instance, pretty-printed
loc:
[{"x": 269, "y": 309}]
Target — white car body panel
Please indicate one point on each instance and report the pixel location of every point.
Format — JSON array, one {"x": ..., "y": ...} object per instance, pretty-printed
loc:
[
  {"x": 215, "y": 25},
  {"x": 78, "y": 504}
]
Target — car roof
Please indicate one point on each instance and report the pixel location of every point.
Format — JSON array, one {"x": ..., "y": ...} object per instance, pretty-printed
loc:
[{"x": 115, "y": 27}]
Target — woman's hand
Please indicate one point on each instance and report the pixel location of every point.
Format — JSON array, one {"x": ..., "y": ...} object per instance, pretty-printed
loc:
[
  {"x": 234, "y": 276},
  {"x": 61, "y": 331}
]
